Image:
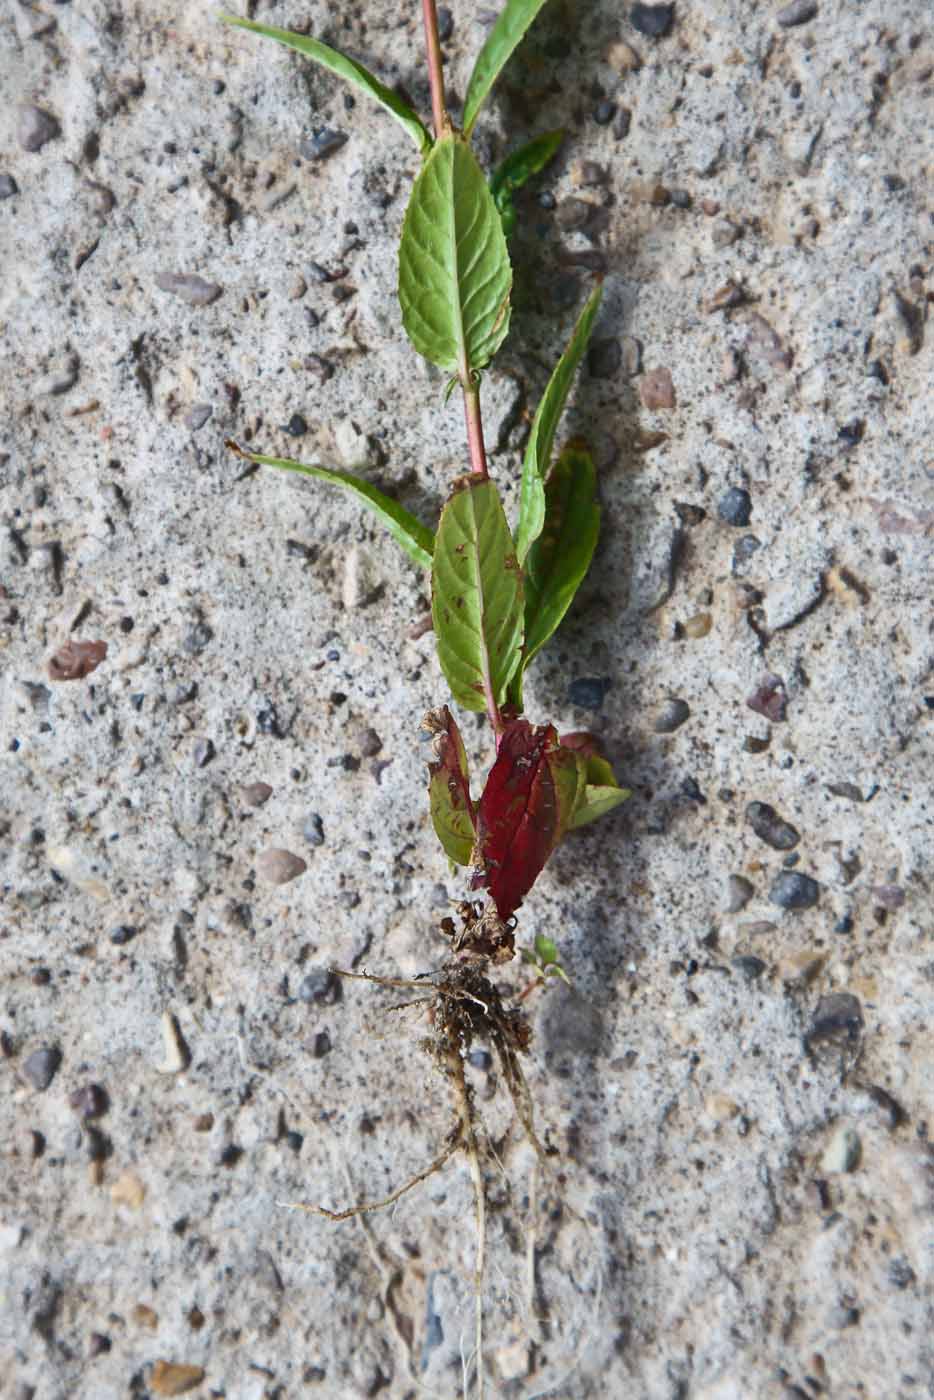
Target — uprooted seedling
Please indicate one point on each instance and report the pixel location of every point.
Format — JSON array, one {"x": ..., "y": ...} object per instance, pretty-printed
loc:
[{"x": 497, "y": 594}]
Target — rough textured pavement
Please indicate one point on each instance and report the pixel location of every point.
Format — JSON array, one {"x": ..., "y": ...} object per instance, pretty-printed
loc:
[{"x": 197, "y": 241}]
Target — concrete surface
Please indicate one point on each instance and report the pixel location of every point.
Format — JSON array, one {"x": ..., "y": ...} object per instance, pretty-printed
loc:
[{"x": 739, "y": 1092}]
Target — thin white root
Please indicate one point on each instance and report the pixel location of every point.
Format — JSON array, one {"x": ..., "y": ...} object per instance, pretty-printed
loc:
[
  {"x": 531, "y": 1241},
  {"x": 367, "y": 1206},
  {"x": 469, "y": 1138}
]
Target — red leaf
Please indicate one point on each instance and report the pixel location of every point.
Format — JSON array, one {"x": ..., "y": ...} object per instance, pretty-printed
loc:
[
  {"x": 581, "y": 742},
  {"x": 524, "y": 811}
]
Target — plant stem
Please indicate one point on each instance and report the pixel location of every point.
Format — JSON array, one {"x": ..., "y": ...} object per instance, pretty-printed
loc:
[
  {"x": 435, "y": 70},
  {"x": 474, "y": 427},
  {"x": 468, "y": 382}
]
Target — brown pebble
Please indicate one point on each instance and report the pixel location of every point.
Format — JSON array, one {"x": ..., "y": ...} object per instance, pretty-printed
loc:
[
  {"x": 659, "y": 196},
  {"x": 698, "y": 626},
  {"x": 588, "y": 172},
  {"x": 573, "y": 213},
  {"x": 657, "y": 390},
  {"x": 75, "y": 660},
  {"x": 174, "y": 1377},
  {"x": 255, "y": 794},
  {"x": 203, "y": 1123},
  {"x": 623, "y": 57},
  {"x": 720, "y": 1107},
  {"x": 769, "y": 698},
  {"x": 128, "y": 1190},
  {"x": 279, "y": 866},
  {"x": 763, "y": 340},
  {"x": 145, "y": 1316},
  {"x": 726, "y": 296},
  {"x": 710, "y": 207}
]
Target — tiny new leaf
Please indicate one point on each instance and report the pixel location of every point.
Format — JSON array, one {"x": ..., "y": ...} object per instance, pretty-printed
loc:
[
  {"x": 558, "y": 561},
  {"x": 544, "y": 425},
  {"x": 601, "y": 792},
  {"x": 502, "y": 41},
  {"x": 517, "y": 169},
  {"x": 452, "y": 811},
  {"x": 415, "y": 538},
  {"x": 454, "y": 269},
  {"x": 526, "y": 807},
  {"x": 544, "y": 958},
  {"x": 348, "y": 69},
  {"x": 476, "y": 595}
]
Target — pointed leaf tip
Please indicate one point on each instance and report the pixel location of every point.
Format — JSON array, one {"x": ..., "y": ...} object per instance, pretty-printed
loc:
[
  {"x": 501, "y": 42},
  {"x": 414, "y": 537},
  {"x": 537, "y": 459},
  {"x": 343, "y": 67}
]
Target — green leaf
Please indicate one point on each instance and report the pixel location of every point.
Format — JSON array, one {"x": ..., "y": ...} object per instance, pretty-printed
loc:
[
  {"x": 517, "y": 169},
  {"x": 600, "y": 794},
  {"x": 599, "y": 772},
  {"x": 546, "y": 950},
  {"x": 559, "y": 559},
  {"x": 346, "y": 68},
  {"x": 452, "y": 811},
  {"x": 476, "y": 595},
  {"x": 454, "y": 270},
  {"x": 541, "y": 440},
  {"x": 414, "y": 537},
  {"x": 596, "y": 802},
  {"x": 501, "y": 43}
]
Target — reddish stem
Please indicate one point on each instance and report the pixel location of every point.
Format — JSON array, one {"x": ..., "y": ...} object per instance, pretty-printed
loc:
[{"x": 435, "y": 70}]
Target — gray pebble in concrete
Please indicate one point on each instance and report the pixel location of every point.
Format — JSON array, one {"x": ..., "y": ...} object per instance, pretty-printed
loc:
[
  {"x": 189, "y": 287},
  {"x": 41, "y": 1067},
  {"x": 798, "y": 12},
  {"x": 735, "y": 507},
  {"x": 604, "y": 358},
  {"x": 36, "y": 127},
  {"x": 770, "y": 827},
  {"x": 321, "y": 144},
  {"x": 738, "y": 894},
  {"x": 652, "y": 20},
  {"x": 792, "y": 890},
  {"x": 589, "y": 692},
  {"x": 671, "y": 716}
]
